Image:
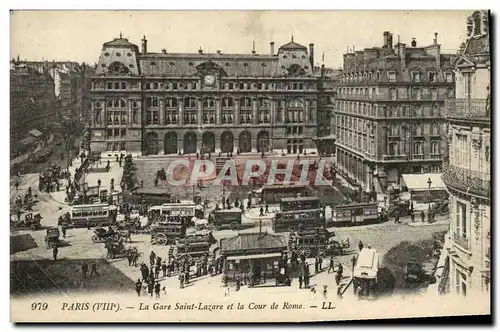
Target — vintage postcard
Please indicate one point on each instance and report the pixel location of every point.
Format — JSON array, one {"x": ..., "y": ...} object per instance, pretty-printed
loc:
[{"x": 249, "y": 166}]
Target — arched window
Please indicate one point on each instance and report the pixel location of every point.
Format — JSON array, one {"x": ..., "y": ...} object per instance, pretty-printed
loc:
[
  {"x": 189, "y": 102},
  {"x": 208, "y": 103},
  {"x": 171, "y": 102},
  {"x": 116, "y": 103},
  {"x": 118, "y": 68},
  {"x": 245, "y": 102},
  {"x": 152, "y": 102},
  {"x": 227, "y": 102}
]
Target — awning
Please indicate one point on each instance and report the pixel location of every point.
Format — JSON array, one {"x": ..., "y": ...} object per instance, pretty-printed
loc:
[
  {"x": 270, "y": 255},
  {"x": 420, "y": 181},
  {"x": 35, "y": 133},
  {"x": 27, "y": 141}
]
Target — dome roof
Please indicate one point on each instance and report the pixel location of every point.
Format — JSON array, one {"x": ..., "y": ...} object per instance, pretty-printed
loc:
[{"x": 119, "y": 42}]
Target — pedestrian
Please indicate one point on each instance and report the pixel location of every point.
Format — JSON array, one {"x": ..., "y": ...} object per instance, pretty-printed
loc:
[
  {"x": 181, "y": 280},
  {"x": 316, "y": 265},
  {"x": 85, "y": 269},
  {"x": 63, "y": 228},
  {"x": 157, "y": 290},
  {"x": 152, "y": 258},
  {"x": 267, "y": 208},
  {"x": 150, "y": 288},
  {"x": 129, "y": 259},
  {"x": 164, "y": 268},
  {"x": 151, "y": 275},
  {"x": 142, "y": 183},
  {"x": 360, "y": 246},
  {"x": 340, "y": 270},
  {"x": 261, "y": 211},
  {"x": 16, "y": 185},
  {"x": 339, "y": 291},
  {"x": 332, "y": 265},
  {"x": 135, "y": 256},
  {"x": 138, "y": 287},
  {"x": 55, "y": 251},
  {"x": 156, "y": 182},
  {"x": 353, "y": 261},
  {"x": 157, "y": 271},
  {"x": 396, "y": 220},
  {"x": 300, "y": 281},
  {"x": 93, "y": 269},
  {"x": 412, "y": 217},
  {"x": 88, "y": 224},
  {"x": 320, "y": 262},
  {"x": 422, "y": 216},
  {"x": 325, "y": 291}
]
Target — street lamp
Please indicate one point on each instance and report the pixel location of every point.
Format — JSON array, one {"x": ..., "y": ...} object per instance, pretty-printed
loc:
[{"x": 429, "y": 182}]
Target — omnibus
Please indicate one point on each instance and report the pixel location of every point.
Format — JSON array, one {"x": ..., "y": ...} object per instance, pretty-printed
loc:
[
  {"x": 355, "y": 214},
  {"x": 185, "y": 211},
  {"x": 291, "y": 221},
  {"x": 299, "y": 203},
  {"x": 95, "y": 214},
  {"x": 273, "y": 193}
]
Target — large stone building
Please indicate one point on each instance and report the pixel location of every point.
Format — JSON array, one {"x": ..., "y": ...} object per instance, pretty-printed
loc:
[
  {"x": 467, "y": 174},
  {"x": 166, "y": 103},
  {"x": 389, "y": 112},
  {"x": 32, "y": 101}
]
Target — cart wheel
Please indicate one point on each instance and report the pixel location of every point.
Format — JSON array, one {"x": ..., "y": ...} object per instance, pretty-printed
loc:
[
  {"x": 307, "y": 252},
  {"x": 95, "y": 239},
  {"x": 161, "y": 239},
  {"x": 301, "y": 251},
  {"x": 234, "y": 226},
  {"x": 110, "y": 255}
]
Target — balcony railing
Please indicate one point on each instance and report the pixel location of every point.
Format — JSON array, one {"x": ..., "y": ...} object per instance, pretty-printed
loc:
[
  {"x": 467, "y": 179},
  {"x": 460, "y": 240},
  {"x": 467, "y": 108}
]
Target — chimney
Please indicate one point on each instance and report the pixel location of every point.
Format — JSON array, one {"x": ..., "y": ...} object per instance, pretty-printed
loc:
[
  {"x": 253, "y": 48},
  {"x": 402, "y": 54},
  {"x": 323, "y": 70},
  {"x": 413, "y": 42},
  {"x": 311, "y": 54},
  {"x": 435, "y": 38},
  {"x": 271, "y": 46},
  {"x": 164, "y": 51},
  {"x": 144, "y": 45},
  {"x": 200, "y": 51},
  {"x": 218, "y": 52},
  {"x": 386, "y": 38}
]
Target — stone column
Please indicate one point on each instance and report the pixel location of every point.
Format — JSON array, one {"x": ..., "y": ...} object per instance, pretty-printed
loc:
[
  {"x": 307, "y": 111},
  {"x": 255, "y": 111},
  {"x": 217, "y": 111},
  {"x": 236, "y": 111},
  {"x": 180, "y": 119},
  {"x": 283, "y": 114},
  {"x": 161, "y": 106},
  {"x": 199, "y": 116}
]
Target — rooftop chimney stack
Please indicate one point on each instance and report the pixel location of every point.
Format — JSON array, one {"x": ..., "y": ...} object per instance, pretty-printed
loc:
[
  {"x": 219, "y": 52},
  {"x": 253, "y": 48},
  {"x": 144, "y": 45},
  {"x": 311, "y": 54},
  {"x": 435, "y": 38},
  {"x": 271, "y": 48},
  {"x": 386, "y": 38},
  {"x": 413, "y": 42},
  {"x": 200, "y": 51},
  {"x": 164, "y": 51},
  {"x": 389, "y": 41}
]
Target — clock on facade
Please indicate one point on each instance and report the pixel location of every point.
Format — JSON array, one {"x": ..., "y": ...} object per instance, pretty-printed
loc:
[{"x": 209, "y": 80}]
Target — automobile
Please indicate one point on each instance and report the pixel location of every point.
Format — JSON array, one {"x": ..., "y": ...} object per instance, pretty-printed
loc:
[
  {"x": 413, "y": 272},
  {"x": 52, "y": 238}
]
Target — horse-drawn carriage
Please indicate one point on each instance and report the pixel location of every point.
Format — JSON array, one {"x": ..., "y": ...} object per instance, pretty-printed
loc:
[
  {"x": 314, "y": 242},
  {"x": 195, "y": 246},
  {"x": 167, "y": 233}
]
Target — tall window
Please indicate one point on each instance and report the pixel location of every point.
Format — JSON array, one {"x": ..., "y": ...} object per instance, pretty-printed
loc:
[
  {"x": 208, "y": 111},
  {"x": 392, "y": 76},
  {"x": 432, "y": 76},
  {"x": 461, "y": 236},
  {"x": 434, "y": 147},
  {"x": 393, "y": 149},
  {"x": 227, "y": 102},
  {"x": 417, "y": 148},
  {"x": 415, "y": 76},
  {"x": 393, "y": 94}
]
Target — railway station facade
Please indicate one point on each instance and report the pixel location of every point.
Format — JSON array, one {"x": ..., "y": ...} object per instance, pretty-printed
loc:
[{"x": 170, "y": 103}]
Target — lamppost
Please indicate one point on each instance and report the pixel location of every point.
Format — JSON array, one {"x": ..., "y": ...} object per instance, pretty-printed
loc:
[{"x": 429, "y": 182}]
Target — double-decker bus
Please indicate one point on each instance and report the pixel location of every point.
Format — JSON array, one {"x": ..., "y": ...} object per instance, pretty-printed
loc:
[
  {"x": 299, "y": 203},
  {"x": 291, "y": 221},
  {"x": 92, "y": 214},
  {"x": 153, "y": 196},
  {"x": 273, "y": 193},
  {"x": 355, "y": 214}
]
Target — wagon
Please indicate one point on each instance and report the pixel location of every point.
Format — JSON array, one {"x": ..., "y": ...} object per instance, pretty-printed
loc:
[{"x": 28, "y": 221}]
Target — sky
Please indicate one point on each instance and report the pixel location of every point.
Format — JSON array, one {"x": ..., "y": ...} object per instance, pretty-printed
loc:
[{"x": 79, "y": 35}]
